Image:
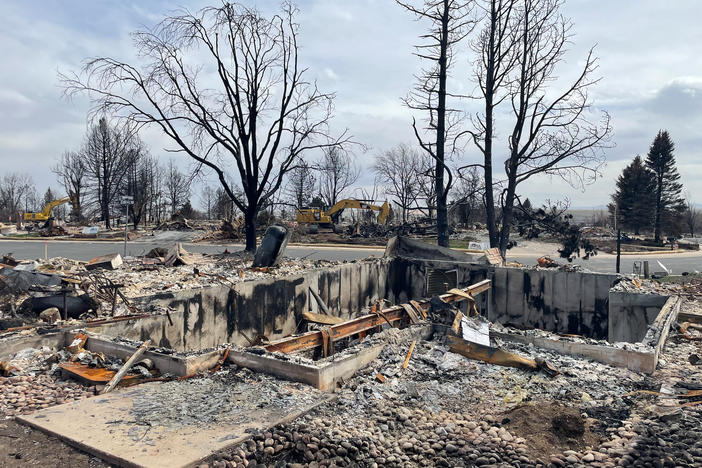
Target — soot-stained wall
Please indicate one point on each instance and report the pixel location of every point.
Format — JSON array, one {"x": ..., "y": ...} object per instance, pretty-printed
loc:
[
  {"x": 631, "y": 314},
  {"x": 562, "y": 302},
  {"x": 559, "y": 301},
  {"x": 271, "y": 307}
]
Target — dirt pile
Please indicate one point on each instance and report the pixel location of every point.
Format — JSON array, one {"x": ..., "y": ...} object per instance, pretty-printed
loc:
[{"x": 550, "y": 428}]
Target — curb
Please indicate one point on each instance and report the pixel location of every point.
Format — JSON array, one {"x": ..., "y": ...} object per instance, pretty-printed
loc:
[
  {"x": 60, "y": 239},
  {"x": 658, "y": 252},
  {"x": 345, "y": 246}
]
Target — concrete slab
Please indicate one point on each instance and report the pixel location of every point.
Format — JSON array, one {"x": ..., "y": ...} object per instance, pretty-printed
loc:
[{"x": 175, "y": 424}]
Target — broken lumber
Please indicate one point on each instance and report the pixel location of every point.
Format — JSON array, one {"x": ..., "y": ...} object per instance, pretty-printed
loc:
[
  {"x": 92, "y": 375},
  {"x": 125, "y": 368},
  {"x": 409, "y": 355},
  {"x": 320, "y": 318},
  {"x": 469, "y": 297},
  {"x": 489, "y": 354},
  {"x": 366, "y": 322},
  {"x": 177, "y": 255},
  {"x": 320, "y": 302}
]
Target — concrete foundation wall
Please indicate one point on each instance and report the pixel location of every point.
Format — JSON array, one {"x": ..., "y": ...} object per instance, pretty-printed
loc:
[
  {"x": 408, "y": 278},
  {"x": 562, "y": 302},
  {"x": 271, "y": 307},
  {"x": 630, "y": 314},
  {"x": 558, "y": 301}
]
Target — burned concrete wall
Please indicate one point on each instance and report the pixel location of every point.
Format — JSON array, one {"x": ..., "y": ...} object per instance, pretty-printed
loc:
[
  {"x": 558, "y": 301},
  {"x": 630, "y": 314},
  {"x": 270, "y": 307}
]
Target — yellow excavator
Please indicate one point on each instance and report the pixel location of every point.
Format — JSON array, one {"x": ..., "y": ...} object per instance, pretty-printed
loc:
[
  {"x": 46, "y": 216},
  {"x": 322, "y": 218}
]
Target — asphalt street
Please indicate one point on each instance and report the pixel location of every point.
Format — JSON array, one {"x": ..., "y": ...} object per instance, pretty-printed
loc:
[{"x": 85, "y": 250}]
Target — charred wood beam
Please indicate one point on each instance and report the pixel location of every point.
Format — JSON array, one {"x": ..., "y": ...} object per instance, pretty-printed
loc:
[{"x": 367, "y": 322}]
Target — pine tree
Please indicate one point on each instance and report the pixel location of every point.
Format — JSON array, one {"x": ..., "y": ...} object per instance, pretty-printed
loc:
[
  {"x": 669, "y": 204},
  {"x": 634, "y": 197}
]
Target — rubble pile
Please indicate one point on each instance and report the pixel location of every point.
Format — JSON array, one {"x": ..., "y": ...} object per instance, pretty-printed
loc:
[
  {"x": 689, "y": 288},
  {"x": 140, "y": 279},
  {"x": 92, "y": 290},
  {"x": 226, "y": 230}
]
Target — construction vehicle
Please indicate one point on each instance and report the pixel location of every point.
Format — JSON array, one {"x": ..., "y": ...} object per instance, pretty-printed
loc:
[
  {"x": 45, "y": 216},
  {"x": 328, "y": 218}
]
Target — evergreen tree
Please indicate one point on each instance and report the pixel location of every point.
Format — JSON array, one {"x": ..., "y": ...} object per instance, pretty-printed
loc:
[
  {"x": 634, "y": 197},
  {"x": 669, "y": 204},
  {"x": 48, "y": 196}
]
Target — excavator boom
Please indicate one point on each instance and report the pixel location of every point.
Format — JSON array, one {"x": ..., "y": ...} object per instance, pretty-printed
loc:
[
  {"x": 45, "y": 214},
  {"x": 331, "y": 216}
]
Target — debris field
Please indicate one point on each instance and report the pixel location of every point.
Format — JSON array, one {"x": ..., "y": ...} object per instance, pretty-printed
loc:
[{"x": 428, "y": 382}]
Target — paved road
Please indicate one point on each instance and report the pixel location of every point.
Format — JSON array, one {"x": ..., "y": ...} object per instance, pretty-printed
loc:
[{"x": 85, "y": 250}]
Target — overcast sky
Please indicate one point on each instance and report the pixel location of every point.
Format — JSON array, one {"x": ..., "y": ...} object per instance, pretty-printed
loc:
[{"x": 650, "y": 66}]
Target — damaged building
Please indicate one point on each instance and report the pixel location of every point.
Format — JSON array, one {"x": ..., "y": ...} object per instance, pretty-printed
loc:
[{"x": 423, "y": 357}]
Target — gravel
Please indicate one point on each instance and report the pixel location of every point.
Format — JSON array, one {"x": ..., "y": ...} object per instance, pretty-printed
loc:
[{"x": 27, "y": 393}]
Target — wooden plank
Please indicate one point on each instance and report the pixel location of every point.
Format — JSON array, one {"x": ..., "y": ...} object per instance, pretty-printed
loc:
[
  {"x": 489, "y": 354},
  {"x": 94, "y": 375},
  {"x": 320, "y": 302},
  {"x": 411, "y": 313},
  {"x": 665, "y": 319},
  {"x": 114, "y": 381},
  {"x": 321, "y": 318},
  {"x": 164, "y": 363},
  {"x": 409, "y": 355},
  {"x": 367, "y": 322}
]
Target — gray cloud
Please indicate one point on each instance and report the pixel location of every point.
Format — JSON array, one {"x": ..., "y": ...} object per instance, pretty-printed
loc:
[{"x": 362, "y": 50}]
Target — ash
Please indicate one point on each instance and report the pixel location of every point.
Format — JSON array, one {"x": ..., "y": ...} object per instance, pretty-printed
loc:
[{"x": 226, "y": 396}]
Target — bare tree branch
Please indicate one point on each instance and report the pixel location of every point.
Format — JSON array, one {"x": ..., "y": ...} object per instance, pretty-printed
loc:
[{"x": 258, "y": 116}]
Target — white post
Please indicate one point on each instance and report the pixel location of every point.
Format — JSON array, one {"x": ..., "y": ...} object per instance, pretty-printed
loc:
[{"x": 126, "y": 223}]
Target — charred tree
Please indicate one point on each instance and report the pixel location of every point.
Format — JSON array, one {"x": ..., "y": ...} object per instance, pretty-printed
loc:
[
  {"x": 71, "y": 173},
  {"x": 253, "y": 118},
  {"x": 450, "y": 21},
  {"x": 495, "y": 47},
  {"x": 553, "y": 133}
]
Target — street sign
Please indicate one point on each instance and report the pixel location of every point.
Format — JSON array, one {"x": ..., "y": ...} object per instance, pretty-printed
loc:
[{"x": 127, "y": 199}]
